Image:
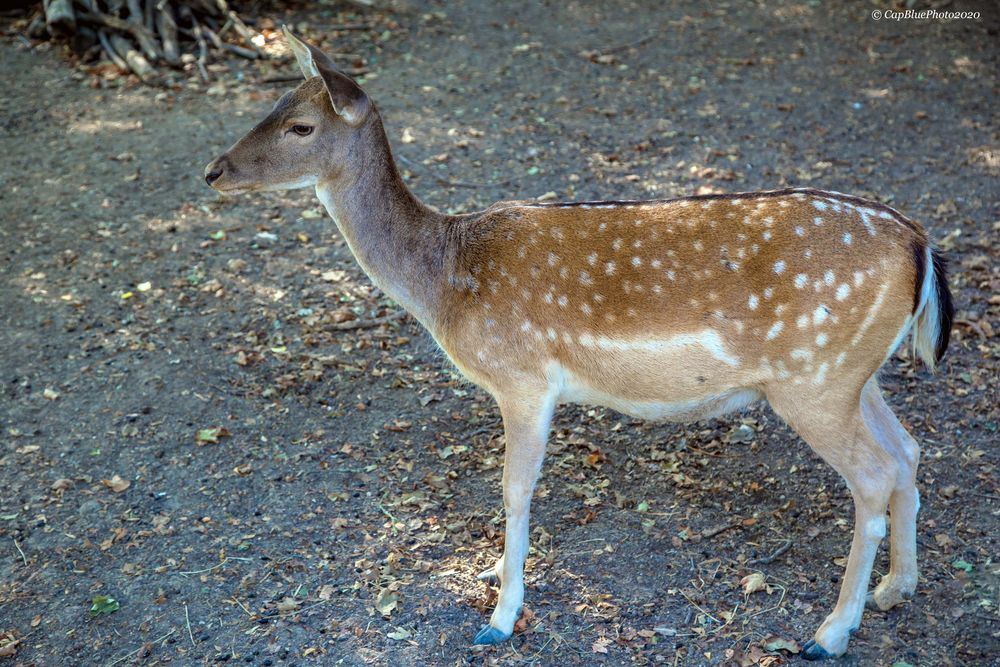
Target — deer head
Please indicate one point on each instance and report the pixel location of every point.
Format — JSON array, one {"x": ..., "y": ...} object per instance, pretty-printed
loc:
[{"x": 312, "y": 135}]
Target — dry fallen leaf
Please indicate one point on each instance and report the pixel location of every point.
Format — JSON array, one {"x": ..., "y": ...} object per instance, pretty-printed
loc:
[
  {"x": 287, "y": 604},
  {"x": 522, "y": 623},
  {"x": 116, "y": 484},
  {"x": 61, "y": 484},
  {"x": 600, "y": 645},
  {"x": 753, "y": 583}
]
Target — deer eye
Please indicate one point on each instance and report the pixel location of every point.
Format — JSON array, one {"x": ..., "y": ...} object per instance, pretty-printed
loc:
[{"x": 302, "y": 130}]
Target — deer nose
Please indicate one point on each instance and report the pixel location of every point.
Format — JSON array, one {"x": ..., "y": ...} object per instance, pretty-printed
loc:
[{"x": 213, "y": 171}]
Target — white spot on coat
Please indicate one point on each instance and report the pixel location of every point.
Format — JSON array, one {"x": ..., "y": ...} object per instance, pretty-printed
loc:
[
  {"x": 779, "y": 266},
  {"x": 801, "y": 280},
  {"x": 843, "y": 291},
  {"x": 753, "y": 302},
  {"x": 821, "y": 373},
  {"x": 775, "y": 330}
]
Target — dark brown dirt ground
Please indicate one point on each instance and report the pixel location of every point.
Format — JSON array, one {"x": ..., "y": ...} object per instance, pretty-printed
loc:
[{"x": 359, "y": 469}]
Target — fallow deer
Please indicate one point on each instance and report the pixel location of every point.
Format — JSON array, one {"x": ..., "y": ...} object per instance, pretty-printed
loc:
[{"x": 680, "y": 309}]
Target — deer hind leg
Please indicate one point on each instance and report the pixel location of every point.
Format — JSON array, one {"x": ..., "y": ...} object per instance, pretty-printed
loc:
[
  {"x": 526, "y": 421},
  {"x": 901, "y": 582},
  {"x": 831, "y": 422}
]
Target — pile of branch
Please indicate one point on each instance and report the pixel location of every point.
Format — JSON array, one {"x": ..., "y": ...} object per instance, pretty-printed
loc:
[{"x": 142, "y": 36}]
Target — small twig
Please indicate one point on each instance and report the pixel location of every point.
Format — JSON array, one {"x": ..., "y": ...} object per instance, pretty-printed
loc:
[
  {"x": 773, "y": 557},
  {"x": 974, "y": 326},
  {"x": 712, "y": 532},
  {"x": 187, "y": 621},
  {"x": 18, "y": 546},
  {"x": 638, "y": 42},
  {"x": 207, "y": 569},
  {"x": 243, "y": 607},
  {"x": 393, "y": 520},
  {"x": 695, "y": 605},
  {"x": 126, "y": 657},
  {"x": 367, "y": 324}
]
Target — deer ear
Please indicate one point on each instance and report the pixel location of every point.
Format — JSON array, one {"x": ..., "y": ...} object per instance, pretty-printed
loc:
[
  {"x": 349, "y": 101},
  {"x": 302, "y": 54}
]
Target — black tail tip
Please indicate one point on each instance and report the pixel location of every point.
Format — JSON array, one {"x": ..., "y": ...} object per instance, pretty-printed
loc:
[{"x": 946, "y": 308}]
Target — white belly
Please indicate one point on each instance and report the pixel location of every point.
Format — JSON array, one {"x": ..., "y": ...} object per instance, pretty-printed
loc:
[{"x": 576, "y": 390}]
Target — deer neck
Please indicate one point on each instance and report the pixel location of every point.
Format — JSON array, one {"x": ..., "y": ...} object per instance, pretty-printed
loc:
[{"x": 397, "y": 240}]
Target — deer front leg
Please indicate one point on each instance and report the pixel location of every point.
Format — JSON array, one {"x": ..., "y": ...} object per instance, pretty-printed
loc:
[{"x": 526, "y": 421}]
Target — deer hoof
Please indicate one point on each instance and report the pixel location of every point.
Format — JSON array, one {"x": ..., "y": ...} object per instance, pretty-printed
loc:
[
  {"x": 489, "y": 636},
  {"x": 813, "y": 651}
]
